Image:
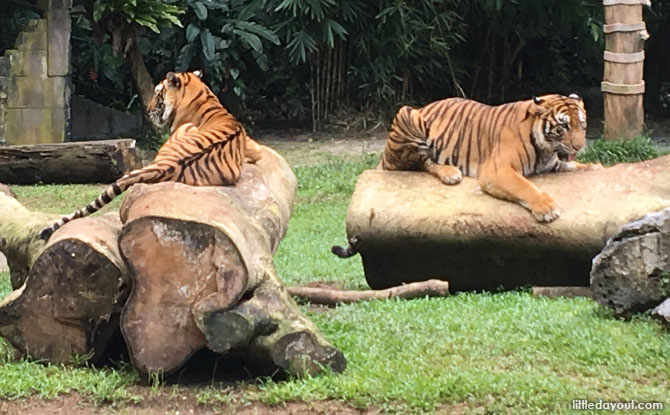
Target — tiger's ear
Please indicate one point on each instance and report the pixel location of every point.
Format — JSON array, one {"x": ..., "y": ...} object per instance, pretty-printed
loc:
[
  {"x": 173, "y": 80},
  {"x": 198, "y": 73},
  {"x": 575, "y": 95},
  {"x": 538, "y": 100}
]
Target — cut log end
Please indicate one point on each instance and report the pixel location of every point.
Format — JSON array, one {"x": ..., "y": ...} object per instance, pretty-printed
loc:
[
  {"x": 71, "y": 300},
  {"x": 175, "y": 264}
]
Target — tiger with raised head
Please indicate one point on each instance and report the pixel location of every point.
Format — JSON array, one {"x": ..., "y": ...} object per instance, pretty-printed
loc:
[
  {"x": 207, "y": 145},
  {"x": 499, "y": 145}
]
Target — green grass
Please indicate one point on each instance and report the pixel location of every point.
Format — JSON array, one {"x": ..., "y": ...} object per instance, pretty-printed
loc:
[
  {"x": 613, "y": 152},
  {"x": 470, "y": 353}
]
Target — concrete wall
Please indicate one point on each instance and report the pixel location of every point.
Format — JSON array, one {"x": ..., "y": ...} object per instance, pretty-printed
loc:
[
  {"x": 35, "y": 80},
  {"x": 91, "y": 121}
]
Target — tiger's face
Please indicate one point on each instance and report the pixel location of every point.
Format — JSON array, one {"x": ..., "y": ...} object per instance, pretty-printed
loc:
[
  {"x": 560, "y": 127},
  {"x": 168, "y": 94}
]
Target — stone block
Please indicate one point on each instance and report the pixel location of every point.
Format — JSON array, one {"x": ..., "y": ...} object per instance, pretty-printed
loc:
[
  {"x": 29, "y": 62},
  {"x": 32, "y": 40},
  {"x": 60, "y": 4},
  {"x": 25, "y": 92},
  {"x": 35, "y": 125},
  {"x": 54, "y": 92},
  {"x": 58, "y": 50},
  {"x": 4, "y": 65},
  {"x": 4, "y": 88}
]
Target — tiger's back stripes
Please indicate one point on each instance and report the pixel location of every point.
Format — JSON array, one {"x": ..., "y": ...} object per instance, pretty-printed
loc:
[
  {"x": 499, "y": 145},
  {"x": 207, "y": 147}
]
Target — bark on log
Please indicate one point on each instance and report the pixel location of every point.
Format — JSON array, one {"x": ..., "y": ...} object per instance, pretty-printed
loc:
[
  {"x": 80, "y": 162},
  {"x": 410, "y": 227},
  {"x": 68, "y": 293},
  {"x": 332, "y": 297},
  {"x": 632, "y": 273},
  {"x": 204, "y": 276}
]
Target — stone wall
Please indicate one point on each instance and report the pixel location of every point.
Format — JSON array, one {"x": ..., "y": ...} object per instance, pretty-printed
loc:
[{"x": 35, "y": 80}]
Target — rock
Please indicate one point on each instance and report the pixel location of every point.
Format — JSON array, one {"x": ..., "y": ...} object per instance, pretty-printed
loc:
[
  {"x": 632, "y": 273},
  {"x": 662, "y": 312}
]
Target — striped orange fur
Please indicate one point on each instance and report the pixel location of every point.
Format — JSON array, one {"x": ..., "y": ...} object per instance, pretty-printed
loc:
[
  {"x": 207, "y": 145},
  {"x": 499, "y": 145}
]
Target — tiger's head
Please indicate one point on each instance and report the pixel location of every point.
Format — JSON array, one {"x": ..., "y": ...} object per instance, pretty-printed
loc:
[
  {"x": 560, "y": 124},
  {"x": 170, "y": 93}
]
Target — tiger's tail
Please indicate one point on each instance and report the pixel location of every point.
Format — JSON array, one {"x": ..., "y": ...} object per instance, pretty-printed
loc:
[
  {"x": 407, "y": 146},
  {"x": 347, "y": 252},
  {"x": 149, "y": 174}
]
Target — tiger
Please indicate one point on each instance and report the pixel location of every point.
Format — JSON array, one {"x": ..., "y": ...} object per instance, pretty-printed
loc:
[
  {"x": 498, "y": 145},
  {"x": 207, "y": 145}
]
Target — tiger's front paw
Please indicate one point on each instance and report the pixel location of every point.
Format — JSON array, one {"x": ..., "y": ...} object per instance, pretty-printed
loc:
[
  {"x": 593, "y": 166},
  {"x": 544, "y": 209}
]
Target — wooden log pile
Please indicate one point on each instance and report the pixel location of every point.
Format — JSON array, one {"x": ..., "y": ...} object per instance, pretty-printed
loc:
[
  {"x": 185, "y": 268},
  {"x": 410, "y": 227}
]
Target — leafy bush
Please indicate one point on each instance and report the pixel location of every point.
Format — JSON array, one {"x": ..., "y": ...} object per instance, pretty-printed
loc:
[{"x": 613, "y": 152}]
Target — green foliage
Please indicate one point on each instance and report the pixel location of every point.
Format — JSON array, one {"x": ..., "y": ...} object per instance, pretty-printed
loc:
[
  {"x": 225, "y": 38},
  {"x": 144, "y": 13},
  {"x": 14, "y": 15},
  {"x": 613, "y": 152}
]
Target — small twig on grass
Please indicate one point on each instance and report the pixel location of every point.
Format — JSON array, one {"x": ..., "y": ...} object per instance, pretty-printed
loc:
[{"x": 331, "y": 297}]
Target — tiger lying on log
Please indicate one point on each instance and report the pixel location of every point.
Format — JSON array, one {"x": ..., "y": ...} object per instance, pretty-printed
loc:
[
  {"x": 207, "y": 145},
  {"x": 499, "y": 145}
]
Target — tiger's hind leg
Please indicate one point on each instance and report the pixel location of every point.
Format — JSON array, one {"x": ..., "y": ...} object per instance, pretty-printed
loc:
[
  {"x": 252, "y": 152},
  {"x": 447, "y": 174}
]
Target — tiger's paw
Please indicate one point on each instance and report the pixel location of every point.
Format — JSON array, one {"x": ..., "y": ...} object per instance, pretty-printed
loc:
[
  {"x": 447, "y": 174},
  {"x": 593, "y": 166},
  {"x": 544, "y": 209}
]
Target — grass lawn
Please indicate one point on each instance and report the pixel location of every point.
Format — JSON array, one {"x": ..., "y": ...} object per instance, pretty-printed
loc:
[{"x": 470, "y": 353}]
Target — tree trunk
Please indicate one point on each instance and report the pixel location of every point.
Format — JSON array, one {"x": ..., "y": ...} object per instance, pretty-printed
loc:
[
  {"x": 204, "y": 275},
  {"x": 139, "y": 72},
  {"x": 411, "y": 227},
  {"x": 68, "y": 293},
  {"x": 80, "y": 162}
]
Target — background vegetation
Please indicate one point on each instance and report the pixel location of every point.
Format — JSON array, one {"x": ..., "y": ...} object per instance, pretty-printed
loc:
[{"x": 314, "y": 61}]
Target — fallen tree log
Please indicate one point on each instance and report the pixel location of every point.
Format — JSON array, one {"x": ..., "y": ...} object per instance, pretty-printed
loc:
[
  {"x": 632, "y": 273},
  {"x": 79, "y": 162},
  {"x": 203, "y": 272},
  {"x": 68, "y": 293},
  {"x": 332, "y": 297},
  {"x": 410, "y": 227}
]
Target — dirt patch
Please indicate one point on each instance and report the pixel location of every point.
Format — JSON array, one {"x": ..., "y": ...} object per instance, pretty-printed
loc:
[{"x": 174, "y": 402}]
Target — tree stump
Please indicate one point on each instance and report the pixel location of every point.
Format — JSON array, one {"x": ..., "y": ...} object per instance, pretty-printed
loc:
[
  {"x": 632, "y": 273},
  {"x": 623, "y": 84},
  {"x": 81, "y": 162},
  {"x": 201, "y": 259},
  {"x": 409, "y": 227},
  {"x": 68, "y": 293}
]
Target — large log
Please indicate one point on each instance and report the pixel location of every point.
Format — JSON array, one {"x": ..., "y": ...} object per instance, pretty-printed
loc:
[
  {"x": 68, "y": 293},
  {"x": 80, "y": 162},
  {"x": 410, "y": 227},
  {"x": 204, "y": 275}
]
